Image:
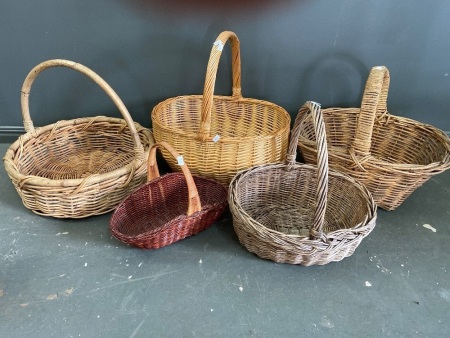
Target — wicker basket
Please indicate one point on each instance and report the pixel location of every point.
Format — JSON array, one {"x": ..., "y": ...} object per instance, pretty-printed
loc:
[
  {"x": 391, "y": 155},
  {"x": 220, "y": 135},
  {"x": 81, "y": 167},
  {"x": 155, "y": 215},
  {"x": 298, "y": 213}
]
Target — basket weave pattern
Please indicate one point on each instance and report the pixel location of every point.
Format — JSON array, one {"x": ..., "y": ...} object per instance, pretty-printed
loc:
[
  {"x": 391, "y": 155},
  {"x": 168, "y": 208},
  {"x": 81, "y": 167},
  {"x": 301, "y": 214},
  {"x": 250, "y": 131}
]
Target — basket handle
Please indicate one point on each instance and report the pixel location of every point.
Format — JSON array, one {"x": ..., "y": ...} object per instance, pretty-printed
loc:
[
  {"x": 210, "y": 81},
  {"x": 316, "y": 231},
  {"x": 373, "y": 103},
  {"x": 26, "y": 87},
  {"x": 153, "y": 172}
]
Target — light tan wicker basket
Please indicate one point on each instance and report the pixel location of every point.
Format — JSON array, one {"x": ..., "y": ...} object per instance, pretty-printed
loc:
[
  {"x": 81, "y": 167},
  {"x": 391, "y": 155},
  {"x": 220, "y": 135},
  {"x": 299, "y": 213}
]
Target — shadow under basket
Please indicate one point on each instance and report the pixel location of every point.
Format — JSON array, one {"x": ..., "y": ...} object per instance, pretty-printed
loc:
[{"x": 155, "y": 215}]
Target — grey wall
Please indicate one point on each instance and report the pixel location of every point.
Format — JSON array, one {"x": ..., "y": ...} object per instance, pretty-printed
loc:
[{"x": 292, "y": 51}]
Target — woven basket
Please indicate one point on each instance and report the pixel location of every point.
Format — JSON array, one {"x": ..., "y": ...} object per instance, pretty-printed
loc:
[
  {"x": 220, "y": 135},
  {"x": 81, "y": 167},
  {"x": 155, "y": 215},
  {"x": 298, "y": 213},
  {"x": 391, "y": 155}
]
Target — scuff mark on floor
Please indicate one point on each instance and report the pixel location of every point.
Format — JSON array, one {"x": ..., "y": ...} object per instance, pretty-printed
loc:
[
  {"x": 52, "y": 296},
  {"x": 68, "y": 292},
  {"x": 445, "y": 294},
  {"x": 428, "y": 226},
  {"x": 325, "y": 322}
]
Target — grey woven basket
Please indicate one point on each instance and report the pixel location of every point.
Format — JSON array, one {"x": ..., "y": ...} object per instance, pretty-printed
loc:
[{"x": 298, "y": 213}]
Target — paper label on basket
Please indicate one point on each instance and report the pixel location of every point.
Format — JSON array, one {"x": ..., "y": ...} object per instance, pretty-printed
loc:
[
  {"x": 180, "y": 160},
  {"x": 219, "y": 45},
  {"x": 216, "y": 138}
]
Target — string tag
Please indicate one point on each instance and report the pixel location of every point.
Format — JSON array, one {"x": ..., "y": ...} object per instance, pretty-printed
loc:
[
  {"x": 219, "y": 45},
  {"x": 216, "y": 138},
  {"x": 180, "y": 160}
]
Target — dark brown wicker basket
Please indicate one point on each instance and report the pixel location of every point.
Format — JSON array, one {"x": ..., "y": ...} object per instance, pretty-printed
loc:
[{"x": 155, "y": 215}]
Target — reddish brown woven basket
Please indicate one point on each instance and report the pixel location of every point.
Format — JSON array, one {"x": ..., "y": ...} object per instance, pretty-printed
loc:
[{"x": 155, "y": 215}]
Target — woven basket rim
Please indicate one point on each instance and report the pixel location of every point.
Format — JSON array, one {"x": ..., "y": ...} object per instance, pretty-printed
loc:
[
  {"x": 205, "y": 207},
  {"x": 239, "y": 139},
  {"x": 375, "y": 162},
  {"x": 370, "y": 215},
  {"x": 96, "y": 178}
]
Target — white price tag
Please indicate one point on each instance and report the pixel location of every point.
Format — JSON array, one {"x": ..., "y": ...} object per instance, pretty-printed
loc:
[
  {"x": 180, "y": 160},
  {"x": 219, "y": 45},
  {"x": 216, "y": 138}
]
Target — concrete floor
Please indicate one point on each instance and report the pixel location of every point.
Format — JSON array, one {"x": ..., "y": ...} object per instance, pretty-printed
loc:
[{"x": 70, "y": 278}]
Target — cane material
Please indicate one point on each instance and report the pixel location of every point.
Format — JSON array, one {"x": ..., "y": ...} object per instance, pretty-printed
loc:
[
  {"x": 298, "y": 213},
  {"x": 220, "y": 135},
  {"x": 168, "y": 208},
  {"x": 391, "y": 155},
  {"x": 81, "y": 167}
]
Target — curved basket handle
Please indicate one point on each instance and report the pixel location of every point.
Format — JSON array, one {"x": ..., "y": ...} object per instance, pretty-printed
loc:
[
  {"x": 316, "y": 231},
  {"x": 194, "y": 204},
  {"x": 373, "y": 103},
  {"x": 26, "y": 87},
  {"x": 210, "y": 81}
]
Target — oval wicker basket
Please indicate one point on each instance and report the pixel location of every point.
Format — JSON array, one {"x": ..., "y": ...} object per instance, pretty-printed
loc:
[
  {"x": 81, "y": 167},
  {"x": 298, "y": 213},
  {"x": 155, "y": 215},
  {"x": 220, "y": 135},
  {"x": 391, "y": 155}
]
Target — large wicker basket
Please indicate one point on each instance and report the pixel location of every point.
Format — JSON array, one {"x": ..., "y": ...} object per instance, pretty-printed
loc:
[
  {"x": 298, "y": 213},
  {"x": 391, "y": 155},
  {"x": 168, "y": 208},
  {"x": 81, "y": 167},
  {"x": 220, "y": 135}
]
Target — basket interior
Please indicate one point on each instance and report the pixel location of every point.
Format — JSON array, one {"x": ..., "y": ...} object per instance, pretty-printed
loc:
[
  {"x": 162, "y": 200},
  {"x": 285, "y": 201},
  {"x": 399, "y": 140},
  {"x": 73, "y": 152},
  {"x": 246, "y": 118}
]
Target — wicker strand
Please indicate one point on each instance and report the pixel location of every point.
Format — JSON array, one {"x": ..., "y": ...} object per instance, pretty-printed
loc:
[
  {"x": 373, "y": 103},
  {"x": 194, "y": 204},
  {"x": 211, "y": 73},
  {"x": 26, "y": 88},
  {"x": 316, "y": 231}
]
